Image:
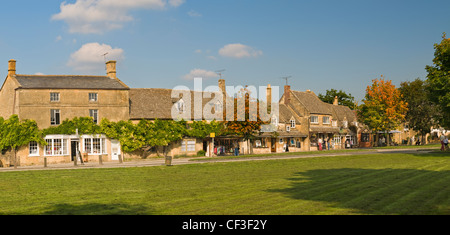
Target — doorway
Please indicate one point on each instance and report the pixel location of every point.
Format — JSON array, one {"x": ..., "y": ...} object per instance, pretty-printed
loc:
[
  {"x": 74, "y": 146},
  {"x": 115, "y": 150},
  {"x": 273, "y": 145}
]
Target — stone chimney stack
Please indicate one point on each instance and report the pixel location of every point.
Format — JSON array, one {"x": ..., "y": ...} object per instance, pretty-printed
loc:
[
  {"x": 223, "y": 89},
  {"x": 11, "y": 68},
  {"x": 269, "y": 96},
  {"x": 287, "y": 94},
  {"x": 336, "y": 101},
  {"x": 111, "y": 69}
]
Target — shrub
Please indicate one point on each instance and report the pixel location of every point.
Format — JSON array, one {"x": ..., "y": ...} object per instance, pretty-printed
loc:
[{"x": 201, "y": 153}]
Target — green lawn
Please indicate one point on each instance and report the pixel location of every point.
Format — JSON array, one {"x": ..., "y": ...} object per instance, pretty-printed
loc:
[{"x": 363, "y": 184}]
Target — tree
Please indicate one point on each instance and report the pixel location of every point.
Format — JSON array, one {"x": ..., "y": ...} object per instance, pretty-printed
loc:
[
  {"x": 383, "y": 108},
  {"x": 250, "y": 126},
  {"x": 438, "y": 80},
  {"x": 422, "y": 113},
  {"x": 161, "y": 132},
  {"x": 343, "y": 98},
  {"x": 202, "y": 129},
  {"x": 15, "y": 133},
  {"x": 125, "y": 132}
]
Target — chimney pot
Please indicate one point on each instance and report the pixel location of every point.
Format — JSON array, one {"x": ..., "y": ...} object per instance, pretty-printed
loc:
[
  {"x": 111, "y": 69},
  {"x": 11, "y": 68},
  {"x": 336, "y": 101}
]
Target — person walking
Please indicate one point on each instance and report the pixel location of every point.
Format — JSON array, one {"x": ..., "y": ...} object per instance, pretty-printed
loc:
[
  {"x": 442, "y": 142},
  {"x": 446, "y": 143},
  {"x": 320, "y": 143}
]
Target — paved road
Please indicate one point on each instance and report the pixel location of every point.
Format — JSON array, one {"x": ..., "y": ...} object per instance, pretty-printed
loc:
[{"x": 182, "y": 161}]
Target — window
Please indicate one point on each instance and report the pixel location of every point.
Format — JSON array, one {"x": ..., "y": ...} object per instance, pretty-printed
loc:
[
  {"x": 337, "y": 140},
  {"x": 334, "y": 123},
  {"x": 293, "y": 123},
  {"x": 326, "y": 120},
  {"x": 188, "y": 145},
  {"x": 365, "y": 137},
  {"x": 93, "y": 97},
  {"x": 93, "y": 113},
  {"x": 54, "y": 97},
  {"x": 288, "y": 128},
  {"x": 94, "y": 145},
  {"x": 345, "y": 124},
  {"x": 180, "y": 106},
  {"x": 274, "y": 121},
  {"x": 314, "y": 119},
  {"x": 55, "y": 117},
  {"x": 56, "y": 147},
  {"x": 33, "y": 148}
]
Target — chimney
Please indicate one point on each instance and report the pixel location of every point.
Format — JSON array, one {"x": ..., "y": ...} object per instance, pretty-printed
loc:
[
  {"x": 223, "y": 88},
  {"x": 336, "y": 101},
  {"x": 111, "y": 69},
  {"x": 287, "y": 94},
  {"x": 269, "y": 96},
  {"x": 11, "y": 68}
]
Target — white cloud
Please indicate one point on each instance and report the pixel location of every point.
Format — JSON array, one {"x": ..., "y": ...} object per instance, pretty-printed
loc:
[
  {"x": 239, "y": 51},
  {"x": 200, "y": 73},
  {"x": 99, "y": 16},
  {"x": 194, "y": 14},
  {"x": 89, "y": 58},
  {"x": 58, "y": 38}
]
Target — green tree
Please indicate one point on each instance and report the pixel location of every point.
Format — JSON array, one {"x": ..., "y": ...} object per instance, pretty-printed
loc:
[
  {"x": 383, "y": 108},
  {"x": 422, "y": 113},
  {"x": 438, "y": 80},
  {"x": 202, "y": 129},
  {"x": 161, "y": 132},
  {"x": 343, "y": 98},
  {"x": 15, "y": 133},
  {"x": 84, "y": 125},
  {"x": 125, "y": 132}
]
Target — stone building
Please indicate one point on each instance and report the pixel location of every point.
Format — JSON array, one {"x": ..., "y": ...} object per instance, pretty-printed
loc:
[{"x": 51, "y": 99}]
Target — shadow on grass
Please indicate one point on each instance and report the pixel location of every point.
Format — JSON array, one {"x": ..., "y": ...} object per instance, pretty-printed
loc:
[
  {"x": 98, "y": 209},
  {"x": 374, "y": 191}
]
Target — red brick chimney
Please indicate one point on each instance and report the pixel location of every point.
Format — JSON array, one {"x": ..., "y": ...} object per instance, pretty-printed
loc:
[{"x": 287, "y": 94}]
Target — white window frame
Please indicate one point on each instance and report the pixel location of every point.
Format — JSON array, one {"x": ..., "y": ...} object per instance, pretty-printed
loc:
[
  {"x": 188, "y": 145},
  {"x": 292, "y": 123},
  {"x": 93, "y": 97},
  {"x": 315, "y": 119},
  {"x": 334, "y": 123},
  {"x": 327, "y": 119},
  {"x": 54, "y": 113},
  {"x": 50, "y": 148},
  {"x": 93, "y": 113},
  {"x": 288, "y": 128},
  {"x": 88, "y": 145},
  {"x": 35, "y": 147},
  {"x": 54, "y": 97}
]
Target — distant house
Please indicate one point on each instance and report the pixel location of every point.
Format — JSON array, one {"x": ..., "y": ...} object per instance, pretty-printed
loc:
[{"x": 51, "y": 99}]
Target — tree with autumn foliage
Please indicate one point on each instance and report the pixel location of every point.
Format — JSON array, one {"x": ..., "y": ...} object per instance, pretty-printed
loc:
[
  {"x": 383, "y": 107},
  {"x": 247, "y": 122}
]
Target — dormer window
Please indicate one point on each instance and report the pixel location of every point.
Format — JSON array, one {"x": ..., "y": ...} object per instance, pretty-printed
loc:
[
  {"x": 180, "y": 106},
  {"x": 274, "y": 120},
  {"x": 292, "y": 123}
]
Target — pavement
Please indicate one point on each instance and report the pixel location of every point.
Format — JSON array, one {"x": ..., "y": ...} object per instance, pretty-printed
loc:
[{"x": 183, "y": 161}]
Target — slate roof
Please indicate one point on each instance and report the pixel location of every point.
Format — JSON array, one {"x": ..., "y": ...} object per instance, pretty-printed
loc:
[
  {"x": 311, "y": 102},
  {"x": 69, "y": 82},
  {"x": 156, "y": 103}
]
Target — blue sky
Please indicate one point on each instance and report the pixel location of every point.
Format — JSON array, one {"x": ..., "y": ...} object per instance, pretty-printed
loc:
[{"x": 163, "y": 43}]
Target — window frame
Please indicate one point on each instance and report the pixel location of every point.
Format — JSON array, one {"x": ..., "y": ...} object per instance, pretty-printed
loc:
[
  {"x": 316, "y": 121},
  {"x": 55, "y": 97},
  {"x": 36, "y": 154},
  {"x": 50, "y": 149},
  {"x": 93, "y": 97},
  {"x": 93, "y": 113},
  {"x": 326, "y": 118},
  {"x": 55, "y": 117}
]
